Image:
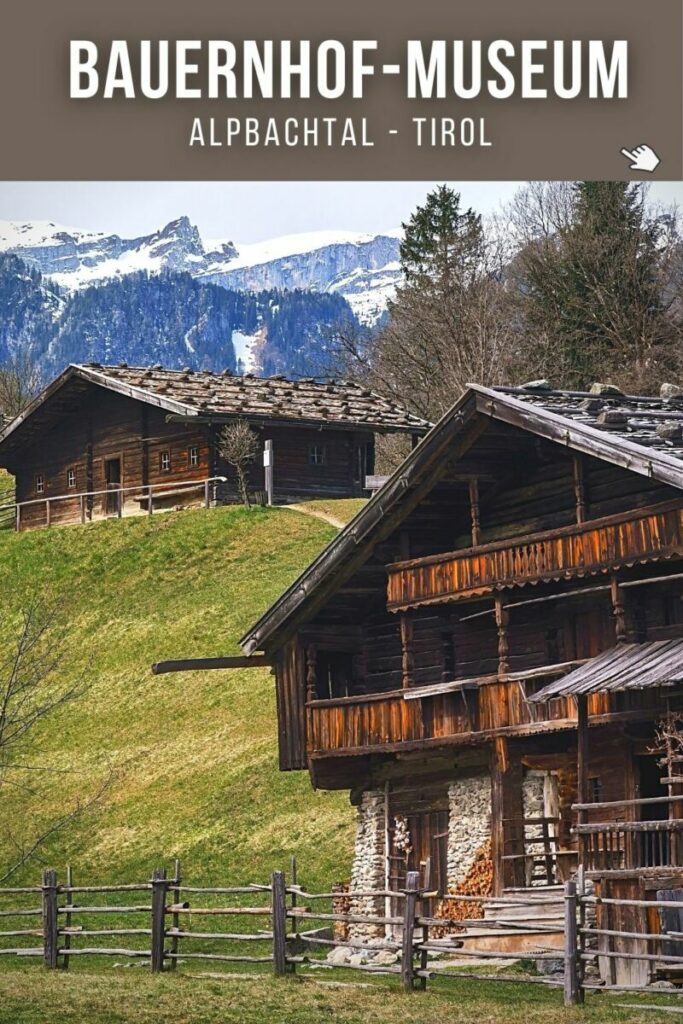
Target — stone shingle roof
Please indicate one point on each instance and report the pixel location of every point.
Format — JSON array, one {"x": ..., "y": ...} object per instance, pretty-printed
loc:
[
  {"x": 263, "y": 398},
  {"x": 654, "y": 422}
]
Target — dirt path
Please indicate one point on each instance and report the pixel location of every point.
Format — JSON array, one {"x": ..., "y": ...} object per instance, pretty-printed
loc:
[{"x": 316, "y": 514}]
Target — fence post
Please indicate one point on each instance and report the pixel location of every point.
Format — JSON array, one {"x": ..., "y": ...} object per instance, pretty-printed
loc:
[
  {"x": 50, "y": 919},
  {"x": 175, "y": 919},
  {"x": 67, "y": 918},
  {"x": 82, "y": 507},
  {"x": 206, "y": 494},
  {"x": 18, "y": 524},
  {"x": 48, "y": 513},
  {"x": 279, "y": 905},
  {"x": 150, "y": 501},
  {"x": 159, "y": 887},
  {"x": 573, "y": 992},
  {"x": 424, "y": 909},
  {"x": 410, "y": 905}
]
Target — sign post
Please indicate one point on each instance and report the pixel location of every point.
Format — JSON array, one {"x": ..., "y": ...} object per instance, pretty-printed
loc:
[{"x": 268, "y": 466}]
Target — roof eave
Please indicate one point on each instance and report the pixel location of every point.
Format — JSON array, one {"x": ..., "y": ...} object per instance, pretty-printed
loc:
[
  {"x": 101, "y": 379},
  {"x": 579, "y": 436}
]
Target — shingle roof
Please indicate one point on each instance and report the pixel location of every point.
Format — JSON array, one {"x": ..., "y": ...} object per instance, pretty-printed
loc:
[
  {"x": 264, "y": 398},
  {"x": 652, "y": 421},
  {"x": 625, "y": 667}
]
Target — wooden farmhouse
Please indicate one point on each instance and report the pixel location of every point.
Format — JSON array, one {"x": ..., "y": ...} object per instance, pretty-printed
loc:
[
  {"x": 113, "y": 440},
  {"x": 489, "y": 657}
]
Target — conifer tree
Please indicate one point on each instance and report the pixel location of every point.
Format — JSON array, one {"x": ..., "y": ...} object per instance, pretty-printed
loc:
[
  {"x": 596, "y": 293},
  {"x": 446, "y": 325}
]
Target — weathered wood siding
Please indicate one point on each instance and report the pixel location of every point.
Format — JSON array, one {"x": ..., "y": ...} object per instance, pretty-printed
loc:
[
  {"x": 290, "y": 677},
  {"x": 295, "y": 475},
  {"x": 107, "y": 426}
]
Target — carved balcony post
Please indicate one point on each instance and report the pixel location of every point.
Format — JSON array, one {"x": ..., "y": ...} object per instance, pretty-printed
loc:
[
  {"x": 618, "y": 609},
  {"x": 311, "y": 673},
  {"x": 579, "y": 487},
  {"x": 407, "y": 652},
  {"x": 475, "y": 511},
  {"x": 502, "y": 620}
]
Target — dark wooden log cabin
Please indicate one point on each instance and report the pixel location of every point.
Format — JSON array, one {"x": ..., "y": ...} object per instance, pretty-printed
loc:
[
  {"x": 117, "y": 431},
  {"x": 488, "y": 647}
]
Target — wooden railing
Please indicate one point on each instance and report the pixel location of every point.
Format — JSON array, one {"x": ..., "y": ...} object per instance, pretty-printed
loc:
[
  {"x": 566, "y": 552},
  {"x": 375, "y": 720},
  {"x": 80, "y": 506},
  {"x": 628, "y": 837},
  {"x": 409, "y": 716}
]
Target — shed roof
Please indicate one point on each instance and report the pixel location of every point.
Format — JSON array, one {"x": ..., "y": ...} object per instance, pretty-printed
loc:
[
  {"x": 624, "y": 667},
  {"x": 223, "y": 396}
]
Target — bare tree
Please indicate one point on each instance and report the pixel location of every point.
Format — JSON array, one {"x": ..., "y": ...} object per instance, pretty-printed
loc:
[
  {"x": 594, "y": 279},
  {"x": 239, "y": 445},
  {"x": 34, "y": 685},
  {"x": 20, "y": 381}
]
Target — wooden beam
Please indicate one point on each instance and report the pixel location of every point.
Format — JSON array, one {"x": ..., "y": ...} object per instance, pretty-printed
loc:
[
  {"x": 474, "y": 512},
  {"x": 502, "y": 620},
  {"x": 506, "y": 807},
  {"x": 204, "y": 664},
  {"x": 579, "y": 486},
  {"x": 582, "y": 753},
  {"x": 618, "y": 609},
  {"x": 407, "y": 654}
]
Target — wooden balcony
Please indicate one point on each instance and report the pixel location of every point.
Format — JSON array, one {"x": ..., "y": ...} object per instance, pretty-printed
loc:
[
  {"x": 409, "y": 719},
  {"x": 596, "y": 546},
  {"x": 386, "y": 719}
]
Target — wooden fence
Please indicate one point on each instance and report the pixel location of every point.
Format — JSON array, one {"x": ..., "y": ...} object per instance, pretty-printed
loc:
[
  {"x": 164, "y": 922},
  {"x": 80, "y": 506}
]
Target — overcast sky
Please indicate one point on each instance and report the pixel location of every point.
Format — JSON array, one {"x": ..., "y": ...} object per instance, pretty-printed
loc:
[{"x": 245, "y": 211}]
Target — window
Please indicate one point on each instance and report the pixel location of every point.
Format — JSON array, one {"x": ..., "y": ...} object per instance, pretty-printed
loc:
[
  {"x": 316, "y": 454},
  {"x": 165, "y": 462},
  {"x": 40, "y": 483},
  {"x": 595, "y": 789},
  {"x": 193, "y": 456},
  {"x": 71, "y": 478}
]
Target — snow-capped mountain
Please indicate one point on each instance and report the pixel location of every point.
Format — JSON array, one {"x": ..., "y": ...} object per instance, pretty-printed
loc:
[{"x": 362, "y": 268}]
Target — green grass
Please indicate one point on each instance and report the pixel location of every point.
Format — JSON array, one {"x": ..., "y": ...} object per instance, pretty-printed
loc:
[
  {"x": 136, "y": 997},
  {"x": 194, "y": 755}
]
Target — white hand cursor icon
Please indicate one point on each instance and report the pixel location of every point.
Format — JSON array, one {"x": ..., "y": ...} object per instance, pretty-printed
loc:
[{"x": 643, "y": 158}]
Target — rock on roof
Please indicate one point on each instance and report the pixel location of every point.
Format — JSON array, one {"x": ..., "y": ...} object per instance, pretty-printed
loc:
[
  {"x": 651, "y": 421},
  {"x": 264, "y": 398}
]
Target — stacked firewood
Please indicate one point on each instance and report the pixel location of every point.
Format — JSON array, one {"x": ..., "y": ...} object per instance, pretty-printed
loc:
[
  {"x": 341, "y": 904},
  {"x": 477, "y": 882}
]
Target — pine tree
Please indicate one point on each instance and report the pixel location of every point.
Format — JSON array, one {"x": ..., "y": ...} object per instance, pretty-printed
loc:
[
  {"x": 595, "y": 292},
  {"x": 446, "y": 325}
]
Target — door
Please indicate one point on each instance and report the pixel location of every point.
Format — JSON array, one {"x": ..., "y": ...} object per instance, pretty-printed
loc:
[{"x": 112, "y": 473}]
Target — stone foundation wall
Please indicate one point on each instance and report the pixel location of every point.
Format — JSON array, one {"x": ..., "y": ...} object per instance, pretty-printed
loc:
[
  {"x": 368, "y": 861},
  {"x": 469, "y": 822}
]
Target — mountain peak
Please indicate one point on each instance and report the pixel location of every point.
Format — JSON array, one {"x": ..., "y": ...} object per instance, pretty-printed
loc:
[{"x": 362, "y": 268}]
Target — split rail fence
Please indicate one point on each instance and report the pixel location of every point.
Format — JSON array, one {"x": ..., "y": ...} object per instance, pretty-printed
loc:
[
  {"x": 287, "y": 925},
  {"x": 164, "y": 922}
]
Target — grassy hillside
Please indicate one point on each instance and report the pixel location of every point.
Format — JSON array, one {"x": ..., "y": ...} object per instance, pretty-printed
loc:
[{"x": 193, "y": 755}]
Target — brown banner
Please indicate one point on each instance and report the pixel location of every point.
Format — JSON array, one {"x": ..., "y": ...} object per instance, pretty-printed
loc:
[{"x": 48, "y": 135}]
